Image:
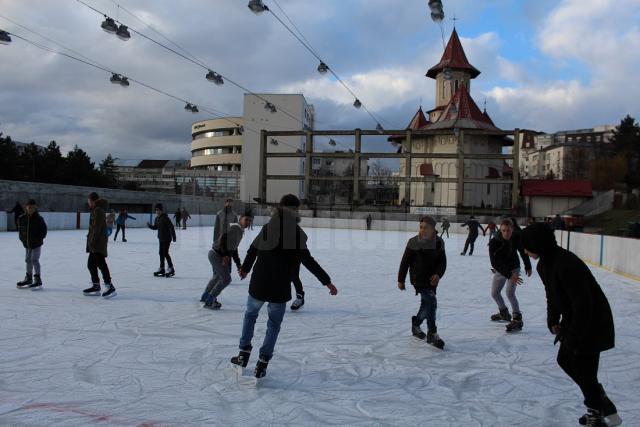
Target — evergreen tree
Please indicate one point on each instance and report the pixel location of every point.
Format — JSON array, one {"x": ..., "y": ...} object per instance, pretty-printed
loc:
[
  {"x": 108, "y": 170},
  {"x": 626, "y": 141},
  {"x": 8, "y": 158}
]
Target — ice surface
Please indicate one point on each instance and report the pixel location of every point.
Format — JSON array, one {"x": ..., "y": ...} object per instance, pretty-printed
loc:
[{"x": 152, "y": 356}]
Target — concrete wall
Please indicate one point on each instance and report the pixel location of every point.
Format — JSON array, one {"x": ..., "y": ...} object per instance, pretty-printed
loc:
[
  {"x": 616, "y": 254},
  {"x": 3, "y": 221}
]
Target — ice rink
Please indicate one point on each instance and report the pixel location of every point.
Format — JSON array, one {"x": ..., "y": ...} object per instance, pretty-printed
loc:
[{"x": 152, "y": 356}]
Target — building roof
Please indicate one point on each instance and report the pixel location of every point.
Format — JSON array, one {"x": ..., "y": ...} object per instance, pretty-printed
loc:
[
  {"x": 419, "y": 121},
  {"x": 557, "y": 188},
  {"x": 462, "y": 112},
  {"x": 453, "y": 58}
]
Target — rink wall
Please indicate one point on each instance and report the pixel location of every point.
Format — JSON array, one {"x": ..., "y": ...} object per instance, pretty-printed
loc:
[{"x": 616, "y": 254}]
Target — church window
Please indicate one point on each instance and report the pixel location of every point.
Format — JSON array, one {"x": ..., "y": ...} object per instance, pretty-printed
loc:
[{"x": 456, "y": 87}]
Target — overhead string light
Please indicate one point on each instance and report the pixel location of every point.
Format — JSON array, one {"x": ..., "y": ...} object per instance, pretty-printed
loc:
[{"x": 5, "y": 38}]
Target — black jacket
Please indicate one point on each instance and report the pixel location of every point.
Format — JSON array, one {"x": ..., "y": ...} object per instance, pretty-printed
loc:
[
  {"x": 504, "y": 254},
  {"x": 277, "y": 251},
  {"x": 575, "y": 301},
  {"x": 32, "y": 230},
  {"x": 166, "y": 231},
  {"x": 423, "y": 259},
  {"x": 474, "y": 227}
]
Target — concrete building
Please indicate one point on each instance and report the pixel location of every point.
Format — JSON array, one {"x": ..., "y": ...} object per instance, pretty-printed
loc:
[
  {"x": 217, "y": 144},
  {"x": 550, "y": 197}
]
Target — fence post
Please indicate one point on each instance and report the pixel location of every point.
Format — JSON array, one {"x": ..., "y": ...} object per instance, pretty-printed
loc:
[
  {"x": 601, "y": 249},
  {"x": 568, "y": 240}
]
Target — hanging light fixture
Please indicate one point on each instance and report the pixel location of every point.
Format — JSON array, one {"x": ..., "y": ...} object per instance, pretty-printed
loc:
[
  {"x": 273, "y": 141},
  {"x": 379, "y": 128},
  {"x": 437, "y": 11},
  {"x": 257, "y": 6},
  {"x": 188, "y": 106},
  {"x": 269, "y": 106},
  {"x": 332, "y": 142},
  {"x": 194, "y": 109},
  {"x": 357, "y": 103},
  {"x": 123, "y": 32},
  {"x": 214, "y": 77},
  {"x": 5, "y": 38},
  {"x": 115, "y": 78},
  {"x": 124, "y": 81},
  {"x": 323, "y": 68},
  {"x": 109, "y": 25}
]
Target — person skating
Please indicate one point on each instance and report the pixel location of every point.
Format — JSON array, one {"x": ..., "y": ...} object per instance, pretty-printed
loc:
[
  {"x": 111, "y": 219},
  {"x": 184, "y": 216},
  {"x": 492, "y": 228},
  {"x": 445, "y": 226},
  {"x": 224, "y": 218},
  {"x": 280, "y": 244},
  {"x": 474, "y": 228},
  {"x": 369, "y": 221},
  {"x": 121, "y": 222},
  {"x": 220, "y": 255},
  {"x": 166, "y": 234},
  {"x": 580, "y": 317},
  {"x": 177, "y": 217},
  {"x": 32, "y": 231},
  {"x": 503, "y": 253},
  {"x": 17, "y": 212},
  {"x": 97, "y": 240},
  {"x": 426, "y": 261}
]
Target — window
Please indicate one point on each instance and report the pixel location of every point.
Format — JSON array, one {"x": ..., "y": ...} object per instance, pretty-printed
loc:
[
  {"x": 456, "y": 87},
  {"x": 442, "y": 91}
]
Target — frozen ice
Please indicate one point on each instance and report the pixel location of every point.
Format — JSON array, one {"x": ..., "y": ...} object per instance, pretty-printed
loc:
[{"x": 152, "y": 356}]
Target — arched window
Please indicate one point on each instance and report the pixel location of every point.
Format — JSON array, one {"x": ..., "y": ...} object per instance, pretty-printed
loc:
[{"x": 456, "y": 87}]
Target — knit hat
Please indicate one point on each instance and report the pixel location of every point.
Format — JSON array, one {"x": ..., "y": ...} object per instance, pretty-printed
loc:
[
  {"x": 429, "y": 220},
  {"x": 93, "y": 196},
  {"x": 539, "y": 239},
  {"x": 159, "y": 206},
  {"x": 289, "y": 201}
]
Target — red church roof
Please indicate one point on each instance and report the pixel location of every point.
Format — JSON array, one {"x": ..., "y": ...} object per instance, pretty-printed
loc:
[
  {"x": 453, "y": 58},
  {"x": 557, "y": 188},
  {"x": 462, "y": 112},
  {"x": 418, "y": 121}
]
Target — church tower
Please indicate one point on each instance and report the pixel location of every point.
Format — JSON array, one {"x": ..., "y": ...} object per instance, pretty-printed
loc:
[{"x": 453, "y": 71}]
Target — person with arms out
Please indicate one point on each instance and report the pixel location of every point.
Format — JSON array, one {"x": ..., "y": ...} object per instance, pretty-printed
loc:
[
  {"x": 184, "y": 216},
  {"x": 445, "y": 226},
  {"x": 275, "y": 251},
  {"x": 32, "y": 231},
  {"x": 426, "y": 261},
  {"x": 474, "y": 228},
  {"x": 177, "y": 217},
  {"x": 166, "y": 234},
  {"x": 121, "y": 221},
  {"x": 97, "y": 240},
  {"x": 579, "y": 315}
]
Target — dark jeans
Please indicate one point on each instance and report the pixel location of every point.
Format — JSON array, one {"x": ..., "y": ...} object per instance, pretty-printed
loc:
[
  {"x": 297, "y": 283},
  {"x": 118, "y": 228},
  {"x": 583, "y": 370},
  {"x": 427, "y": 311},
  {"x": 468, "y": 244},
  {"x": 98, "y": 261},
  {"x": 275, "y": 312},
  {"x": 445, "y": 230},
  {"x": 164, "y": 254}
]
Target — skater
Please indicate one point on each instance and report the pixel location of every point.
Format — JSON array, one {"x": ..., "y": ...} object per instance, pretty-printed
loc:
[
  {"x": 111, "y": 219},
  {"x": 97, "y": 247},
  {"x": 503, "y": 253},
  {"x": 297, "y": 284},
  {"x": 445, "y": 226},
  {"x": 184, "y": 216},
  {"x": 369, "y": 221},
  {"x": 580, "y": 317},
  {"x": 166, "y": 234},
  {"x": 474, "y": 226},
  {"x": 177, "y": 217},
  {"x": 224, "y": 218},
  {"x": 425, "y": 259},
  {"x": 220, "y": 255},
  {"x": 280, "y": 244},
  {"x": 32, "y": 230},
  {"x": 492, "y": 228},
  {"x": 17, "y": 212},
  {"x": 121, "y": 221}
]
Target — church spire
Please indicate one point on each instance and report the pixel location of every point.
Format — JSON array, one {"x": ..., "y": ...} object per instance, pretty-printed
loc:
[{"x": 453, "y": 58}]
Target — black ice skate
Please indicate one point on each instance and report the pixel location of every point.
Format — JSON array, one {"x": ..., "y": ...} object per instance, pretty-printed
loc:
[
  {"x": 415, "y": 328},
  {"x": 298, "y": 302},
  {"x": 242, "y": 359},
  {"x": 170, "y": 272},
  {"x": 213, "y": 306},
  {"x": 516, "y": 323},
  {"x": 609, "y": 411},
  {"x": 593, "y": 418},
  {"x": 110, "y": 292},
  {"x": 37, "y": 283},
  {"x": 93, "y": 290},
  {"x": 435, "y": 340},
  {"x": 24, "y": 283},
  {"x": 502, "y": 316},
  {"x": 159, "y": 273},
  {"x": 261, "y": 368}
]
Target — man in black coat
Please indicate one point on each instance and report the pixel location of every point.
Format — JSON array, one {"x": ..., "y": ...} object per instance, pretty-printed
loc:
[
  {"x": 279, "y": 247},
  {"x": 474, "y": 229},
  {"x": 32, "y": 230},
  {"x": 425, "y": 259},
  {"x": 166, "y": 234},
  {"x": 578, "y": 313}
]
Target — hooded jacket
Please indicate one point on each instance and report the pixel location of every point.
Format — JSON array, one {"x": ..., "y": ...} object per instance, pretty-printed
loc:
[
  {"x": 423, "y": 258},
  {"x": 575, "y": 301},
  {"x": 32, "y": 230},
  {"x": 97, "y": 238},
  {"x": 224, "y": 218},
  {"x": 504, "y": 254},
  {"x": 166, "y": 230},
  {"x": 277, "y": 251}
]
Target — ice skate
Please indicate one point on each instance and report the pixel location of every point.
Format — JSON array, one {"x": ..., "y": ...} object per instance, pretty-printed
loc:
[
  {"x": 298, "y": 302},
  {"x": 36, "y": 285},
  {"x": 502, "y": 316},
  {"x": 159, "y": 273},
  {"x": 434, "y": 339},
  {"x": 242, "y": 359},
  {"x": 516, "y": 323},
  {"x": 415, "y": 329},
  {"x": 24, "y": 283},
  {"x": 170, "y": 272},
  {"x": 609, "y": 411},
  {"x": 110, "y": 292},
  {"x": 93, "y": 290},
  {"x": 261, "y": 368},
  {"x": 215, "y": 305}
]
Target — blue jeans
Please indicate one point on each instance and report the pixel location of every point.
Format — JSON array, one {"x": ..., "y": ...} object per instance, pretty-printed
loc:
[
  {"x": 427, "y": 311},
  {"x": 276, "y": 313}
]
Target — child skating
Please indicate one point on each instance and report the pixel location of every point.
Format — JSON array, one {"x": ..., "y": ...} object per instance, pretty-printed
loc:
[
  {"x": 425, "y": 260},
  {"x": 166, "y": 234},
  {"x": 32, "y": 230}
]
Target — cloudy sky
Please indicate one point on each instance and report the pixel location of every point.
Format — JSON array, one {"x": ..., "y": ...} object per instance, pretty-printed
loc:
[{"x": 546, "y": 65}]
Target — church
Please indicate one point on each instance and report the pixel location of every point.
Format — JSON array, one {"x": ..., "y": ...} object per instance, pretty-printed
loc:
[{"x": 457, "y": 125}]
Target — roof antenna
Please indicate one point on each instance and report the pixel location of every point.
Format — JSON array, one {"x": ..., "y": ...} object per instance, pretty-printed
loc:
[
  {"x": 485, "y": 105},
  {"x": 421, "y": 103}
]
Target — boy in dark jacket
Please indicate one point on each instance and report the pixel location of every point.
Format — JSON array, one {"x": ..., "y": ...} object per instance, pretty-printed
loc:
[
  {"x": 503, "y": 253},
  {"x": 97, "y": 240},
  {"x": 474, "y": 231},
  {"x": 276, "y": 250},
  {"x": 425, "y": 259},
  {"x": 121, "y": 222},
  {"x": 578, "y": 313},
  {"x": 166, "y": 234},
  {"x": 32, "y": 230}
]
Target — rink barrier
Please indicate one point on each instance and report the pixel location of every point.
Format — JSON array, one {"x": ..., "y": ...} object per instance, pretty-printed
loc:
[{"x": 615, "y": 254}]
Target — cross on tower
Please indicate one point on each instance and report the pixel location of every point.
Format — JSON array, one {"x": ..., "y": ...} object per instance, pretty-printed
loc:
[{"x": 454, "y": 19}]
